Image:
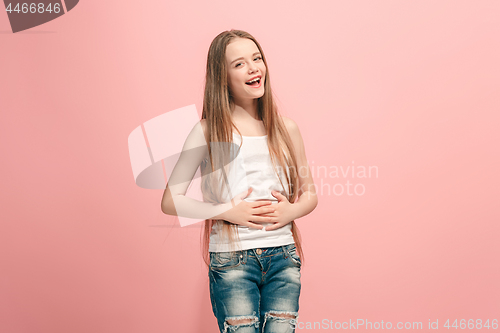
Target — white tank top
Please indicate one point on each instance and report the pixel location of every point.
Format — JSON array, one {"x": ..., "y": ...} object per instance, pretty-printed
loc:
[{"x": 252, "y": 167}]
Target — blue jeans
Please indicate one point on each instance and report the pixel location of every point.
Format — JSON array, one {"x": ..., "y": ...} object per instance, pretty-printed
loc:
[{"x": 256, "y": 290}]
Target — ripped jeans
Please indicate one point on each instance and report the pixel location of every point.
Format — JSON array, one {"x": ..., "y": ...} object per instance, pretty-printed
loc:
[{"x": 256, "y": 290}]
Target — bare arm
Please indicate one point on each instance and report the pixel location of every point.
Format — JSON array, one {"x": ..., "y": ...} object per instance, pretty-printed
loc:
[
  {"x": 307, "y": 199},
  {"x": 174, "y": 201}
]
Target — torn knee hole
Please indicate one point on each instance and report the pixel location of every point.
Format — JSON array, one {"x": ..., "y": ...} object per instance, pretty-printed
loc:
[
  {"x": 241, "y": 321},
  {"x": 282, "y": 315}
]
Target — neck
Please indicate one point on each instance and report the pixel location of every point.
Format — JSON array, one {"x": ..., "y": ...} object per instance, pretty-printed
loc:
[{"x": 245, "y": 109}]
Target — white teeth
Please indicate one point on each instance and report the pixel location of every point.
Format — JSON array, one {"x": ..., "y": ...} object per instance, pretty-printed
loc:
[{"x": 254, "y": 80}]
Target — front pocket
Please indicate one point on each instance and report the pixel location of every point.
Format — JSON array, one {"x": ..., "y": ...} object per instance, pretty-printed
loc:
[
  {"x": 224, "y": 260},
  {"x": 294, "y": 256}
]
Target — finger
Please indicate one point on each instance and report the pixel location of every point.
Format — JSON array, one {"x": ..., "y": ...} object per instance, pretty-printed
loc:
[
  {"x": 272, "y": 220},
  {"x": 263, "y": 219},
  {"x": 268, "y": 218},
  {"x": 254, "y": 225},
  {"x": 244, "y": 194},
  {"x": 259, "y": 223},
  {"x": 238, "y": 198},
  {"x": 273, "y": 227},
  {"x": 266, "y": 215},
  {"x": 278, "y": 196},
  {"x": 264, "y": 210}
]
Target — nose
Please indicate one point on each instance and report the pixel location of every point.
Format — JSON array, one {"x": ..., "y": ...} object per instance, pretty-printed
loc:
[{"x": 252, "y": 68}]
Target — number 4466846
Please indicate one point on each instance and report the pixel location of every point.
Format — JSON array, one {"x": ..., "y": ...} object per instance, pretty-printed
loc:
[
  {"x": 472, "y": 324},
  {"x": 34, "y": 8}
]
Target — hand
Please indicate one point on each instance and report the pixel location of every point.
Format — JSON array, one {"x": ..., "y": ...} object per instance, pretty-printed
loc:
[
  {"x": 244, "y": 213},
  {"x": 283, "y": 214}
]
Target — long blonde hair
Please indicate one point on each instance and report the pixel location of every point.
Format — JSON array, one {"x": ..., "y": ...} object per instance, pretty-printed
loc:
[{"x": 217, "y": 106}]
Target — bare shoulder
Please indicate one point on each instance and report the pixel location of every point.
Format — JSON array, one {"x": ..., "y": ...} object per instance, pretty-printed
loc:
[
  {"x": 203, "y": 123},
  {"x": 295, "y": 136},
  {"x": 291, "y": 126},
  {"x": 204, "y": 126},
  {"x": 196, "y": 137}
]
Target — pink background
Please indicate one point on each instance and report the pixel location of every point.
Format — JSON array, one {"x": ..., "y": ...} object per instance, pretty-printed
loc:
[{"x": 410, "y": 87}]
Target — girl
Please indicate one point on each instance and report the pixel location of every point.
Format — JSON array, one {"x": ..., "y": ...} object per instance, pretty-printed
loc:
[{"x": 251, "y": 243}]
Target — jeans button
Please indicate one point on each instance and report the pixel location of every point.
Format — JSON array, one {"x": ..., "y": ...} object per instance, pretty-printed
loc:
[{"x": 259, "y": 251}]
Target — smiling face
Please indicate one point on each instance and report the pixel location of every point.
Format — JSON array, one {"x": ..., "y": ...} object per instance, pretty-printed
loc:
[{"x": 244, "y": 64}]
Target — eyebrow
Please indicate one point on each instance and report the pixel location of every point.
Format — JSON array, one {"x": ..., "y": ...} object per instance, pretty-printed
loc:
[{"x": 242, "y": 57}]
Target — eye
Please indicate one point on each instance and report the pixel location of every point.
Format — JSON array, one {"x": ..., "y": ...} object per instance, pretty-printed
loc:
[
  {"x": 238, "y": 64},
  {"x": 259, "y": 57}
]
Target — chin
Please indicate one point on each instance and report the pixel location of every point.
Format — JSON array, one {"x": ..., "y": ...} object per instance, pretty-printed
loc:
[{"x": 258, "y": 95}]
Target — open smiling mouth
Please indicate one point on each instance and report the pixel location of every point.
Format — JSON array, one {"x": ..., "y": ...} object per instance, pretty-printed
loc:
[{"x": 254, "y": 82}]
